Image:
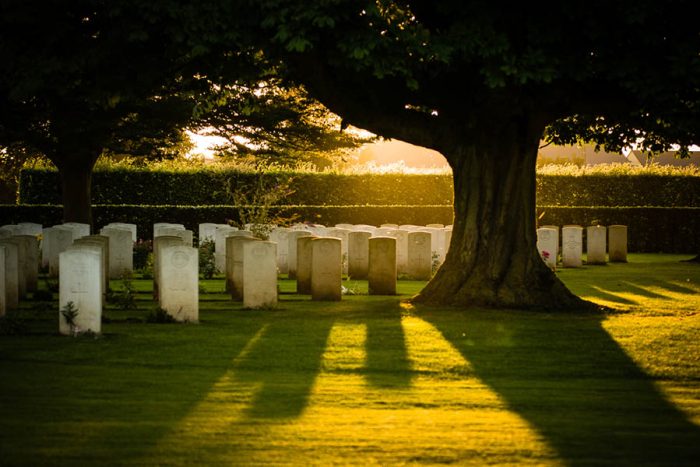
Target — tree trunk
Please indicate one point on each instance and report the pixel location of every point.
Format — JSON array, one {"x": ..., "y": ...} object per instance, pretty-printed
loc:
[
  {"x": 76, "y": 186},
  {"x": 493, "y": 259}
]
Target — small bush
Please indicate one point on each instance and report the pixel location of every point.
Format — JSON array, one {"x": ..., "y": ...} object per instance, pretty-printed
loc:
[
  {"x": 207, "y": 264},
  {"x": 160, "y": 316}
]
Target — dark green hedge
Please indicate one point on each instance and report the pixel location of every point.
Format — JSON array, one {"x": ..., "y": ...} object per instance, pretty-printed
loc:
[
  {"x": 206, "y": 187},
  {"x": 668, "y": 230},
  {"x": 201, "y": 188}
]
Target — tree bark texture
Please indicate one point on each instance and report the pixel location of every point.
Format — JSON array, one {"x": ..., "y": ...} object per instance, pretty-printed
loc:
[
  {"x": 76, "y": 184},
  {"x": 493, "y": 259}
]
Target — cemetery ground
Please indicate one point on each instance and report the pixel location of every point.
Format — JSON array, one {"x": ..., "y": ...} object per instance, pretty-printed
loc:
[{"x": 368, "y": 380}]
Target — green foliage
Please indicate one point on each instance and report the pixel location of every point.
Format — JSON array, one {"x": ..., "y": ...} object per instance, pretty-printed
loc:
[
  {"x": 160, "y": 316},
  {"x": 125, "y": 298},
  {"x": 207, "y": 263},
  {"x": 142, "y": 248},
  {"x": 70, "y": 313}
]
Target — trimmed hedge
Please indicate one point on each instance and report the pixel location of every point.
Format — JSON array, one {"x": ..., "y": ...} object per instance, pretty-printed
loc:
[
  {"x": 667, "y": 230},
  {"x": 206, "y": 187}
]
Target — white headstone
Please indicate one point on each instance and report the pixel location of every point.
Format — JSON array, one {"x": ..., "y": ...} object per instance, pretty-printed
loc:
[
  {"x": 595, "y": 244},
  {"x": 234, "y": 264},
  {"x": 31, "y": 271},
  {"x": 159, "y": 226},
  {"x": 435, "y": 226},
  {"x": 556, "y": 229},
  {"x": 358, "y": 254},
  {"x": 125, "y": 225},
  {"x": 222, "y": 231},
  {"x": 304, "y": 265},
  {"x": 21, "y": 263},
  {"x": 571, "y": 246},
  {"x": 401, "y": 251},
  {"x": 158, "y": 244},
  {"x": 56, "y": 240},
  {"x": 342, "y": 234},
  {"x": 344, "y": 226},
  {"x": 382, "y": 266},
  {"x": 547, "y": 245},
  {"x": 185, "y": 235},
  {"x": 80, "y": 271},
  {"x": 121, "y": 251},
  {"x": 326, "y": 269},
  {"x": 179, "y": 282},
  {"x": 207, "y": 232},
  {"x": 292, "y": 250},
  {"x": 260, "y": 274},
  {"x": 419, "y": 256},
  {"x": 617, "y": 243},
  {"x": 29, "y": 228},
  {"x": 279, "y": 236},
  {"x": 389, "y": 226},
  {"x": 11, "y": 274},
  {"x": 103, "y": 242},
  {"x": 79, "y": 229}
]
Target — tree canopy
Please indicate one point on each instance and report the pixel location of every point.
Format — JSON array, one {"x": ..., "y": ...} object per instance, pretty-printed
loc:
[{"x": 482, "y": 82}]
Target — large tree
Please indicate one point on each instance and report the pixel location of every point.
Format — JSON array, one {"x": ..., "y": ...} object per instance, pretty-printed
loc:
[
  {"x": 480, "y": 81},
  {"x": 83, "y": 78}
]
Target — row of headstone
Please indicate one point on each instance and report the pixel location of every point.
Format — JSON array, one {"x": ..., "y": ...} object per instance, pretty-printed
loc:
[
  {"x": 319, "y": 266},
  {"x": 415, "y": 253},
  {"x": 599, "y": 241}
]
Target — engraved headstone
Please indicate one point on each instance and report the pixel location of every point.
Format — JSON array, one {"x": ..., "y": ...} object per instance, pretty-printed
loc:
[
  {"x": 260, "y": 274},
  {"x": 595, "y": 244},
  {"x": 419, "y": 256},
  {"x": 158, "y": 244},
  {"x": 617, "y": 243},
  {"x": 571, "y": 246},
  {"x": 103, "y": 242},
  {"x": 382, "y": 266},
  {"x": 179, "y": 282},
  {"x": 326, "y": 269},
  {"x": 80, "y": 271}
]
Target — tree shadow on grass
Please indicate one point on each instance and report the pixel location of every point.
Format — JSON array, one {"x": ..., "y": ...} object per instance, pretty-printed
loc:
[
  {"x": 387, "y": 365},
  {"x": 285, "y": 363},
  {"x": 574, "y": 384}
]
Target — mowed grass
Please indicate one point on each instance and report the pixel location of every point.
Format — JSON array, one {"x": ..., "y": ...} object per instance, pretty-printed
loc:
[{"x": 368, "y": 380}]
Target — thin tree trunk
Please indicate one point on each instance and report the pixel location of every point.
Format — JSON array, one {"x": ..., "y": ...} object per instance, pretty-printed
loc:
[{"x": 493, "y": 259}]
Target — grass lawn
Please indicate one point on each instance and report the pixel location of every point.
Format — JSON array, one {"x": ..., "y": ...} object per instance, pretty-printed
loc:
[{"x": 368, "y": 380}]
